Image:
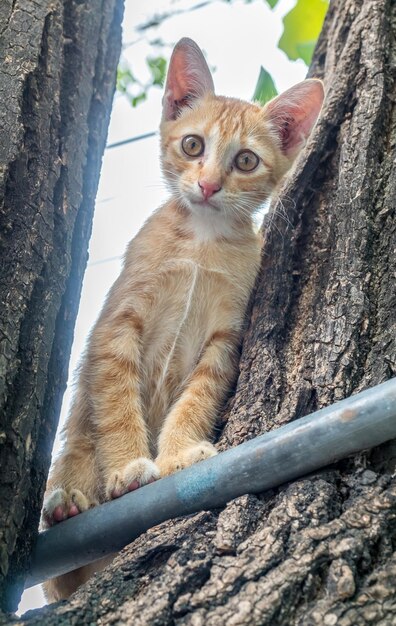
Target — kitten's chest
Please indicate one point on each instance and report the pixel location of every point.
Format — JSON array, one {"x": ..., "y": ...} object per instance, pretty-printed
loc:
[{"x": 189, "y": 304}]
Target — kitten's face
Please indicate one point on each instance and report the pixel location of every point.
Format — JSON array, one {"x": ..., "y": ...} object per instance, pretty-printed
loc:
[{"x": 221, "y": 156}]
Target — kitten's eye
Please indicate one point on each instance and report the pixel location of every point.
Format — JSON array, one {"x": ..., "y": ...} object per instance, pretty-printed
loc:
[
  {"x": 193, "y": 145},
  {"x": 246, "y": 161}
]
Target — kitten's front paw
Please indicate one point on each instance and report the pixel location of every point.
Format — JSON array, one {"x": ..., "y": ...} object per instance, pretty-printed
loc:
[
  {"x": 134, "y": 475},
  {"x": 185, "y": 458},
  {"x": 61, "y": 504}
]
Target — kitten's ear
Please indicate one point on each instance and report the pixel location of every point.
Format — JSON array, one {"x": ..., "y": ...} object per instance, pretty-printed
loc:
[
  {"x": 294, "y": 114},
  {"x": 188, "y": 77}
]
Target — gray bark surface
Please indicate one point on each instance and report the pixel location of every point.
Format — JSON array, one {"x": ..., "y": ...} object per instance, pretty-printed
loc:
[
  {"x": 321, "y": 550},
  {"x": 58, "y": 62}
]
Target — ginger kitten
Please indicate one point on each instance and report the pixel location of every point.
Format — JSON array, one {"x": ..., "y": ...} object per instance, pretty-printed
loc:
[{"x": 164, "y": 352}]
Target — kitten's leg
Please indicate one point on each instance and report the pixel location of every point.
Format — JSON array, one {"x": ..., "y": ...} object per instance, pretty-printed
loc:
[
  {"x": 72, "y": 469},
  {"x": 118, "y": 441},
  {"x": 72, "y": 485},
  {"x": 122, "y": 442},
  {"x": 76, "y": 470},
  {"x": 184, "y": 437},
  {"x": 62, "y": 587}
]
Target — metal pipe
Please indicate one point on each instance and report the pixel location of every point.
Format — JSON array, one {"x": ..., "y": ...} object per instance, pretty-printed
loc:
[{"x": 362, "y": 421}]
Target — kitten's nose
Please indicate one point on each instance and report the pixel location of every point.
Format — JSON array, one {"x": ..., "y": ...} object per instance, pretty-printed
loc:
[{"x": 208, "y": 189}]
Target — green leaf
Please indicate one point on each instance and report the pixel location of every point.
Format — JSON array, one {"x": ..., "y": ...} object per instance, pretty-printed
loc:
[
  {"x": 272, "y": 3},
  {"x": 302, "y": 26},
  {"x": 306, "y": 50},
  {"x": 135, "y": 100},
  {"x": 157, "y": 67},
  {"x": 265, "y": 87},
  {"x": 125, "y": 79}
]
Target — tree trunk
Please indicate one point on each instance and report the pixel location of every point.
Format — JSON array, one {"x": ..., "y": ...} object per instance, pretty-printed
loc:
[
  {"x": 321, "y": 549},
  {"x": 58, "y": 64}
]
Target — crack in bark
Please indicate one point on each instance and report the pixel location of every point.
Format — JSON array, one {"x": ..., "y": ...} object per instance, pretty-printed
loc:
[{"x": 7, "y": 21}]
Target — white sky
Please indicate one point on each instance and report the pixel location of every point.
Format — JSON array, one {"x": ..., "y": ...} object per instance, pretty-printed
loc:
[{"x": 237, "y": 38}]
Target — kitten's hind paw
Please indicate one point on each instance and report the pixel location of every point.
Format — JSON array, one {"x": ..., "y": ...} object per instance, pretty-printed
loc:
[
  {"x": 194, "y": 454},
  {"x": 134, "y": 475},
  {"x": 169, "y": 464},
  {"x": 61, "y": 504}
]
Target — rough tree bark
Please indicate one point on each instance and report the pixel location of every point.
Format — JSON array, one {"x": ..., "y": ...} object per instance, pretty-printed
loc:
[
  {"x": 319, "y": 550},
  {"x": 58, "y": 62}
]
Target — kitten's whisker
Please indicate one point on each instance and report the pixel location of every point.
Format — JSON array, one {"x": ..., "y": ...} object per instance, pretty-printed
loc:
[{"x": 283, "y": 217}]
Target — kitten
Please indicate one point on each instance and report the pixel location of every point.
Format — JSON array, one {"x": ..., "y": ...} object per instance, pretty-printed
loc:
[{"x": 164, "y": 352}]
